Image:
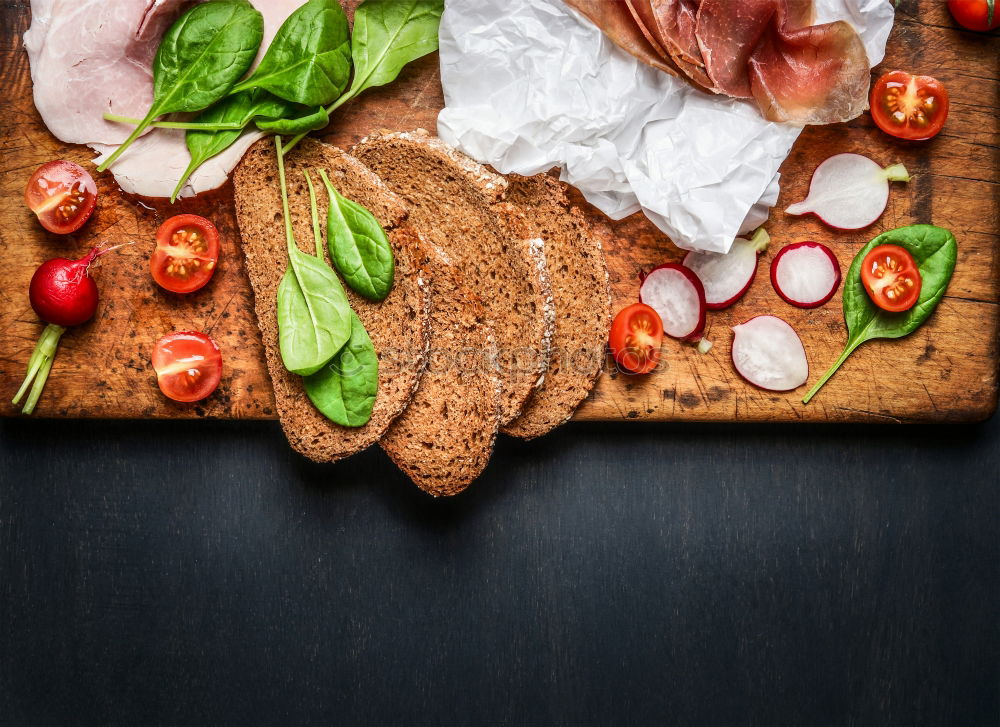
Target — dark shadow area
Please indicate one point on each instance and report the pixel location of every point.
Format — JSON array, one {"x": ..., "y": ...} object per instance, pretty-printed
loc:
[{"x": 621, "y": 573}]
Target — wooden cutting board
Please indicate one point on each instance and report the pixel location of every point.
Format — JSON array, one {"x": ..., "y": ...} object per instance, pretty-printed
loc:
[{"x": 947, "y": 371}]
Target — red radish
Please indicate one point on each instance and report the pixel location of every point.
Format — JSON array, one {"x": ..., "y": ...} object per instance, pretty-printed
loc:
[
  {"x": 727, "y": 277},
  {"x": 849, "y": 191},
  {"x": 63, "y": 294},
  {"x": 768, "y": 353},
  {"x": 805, "y": 274},
  {"x": 675, "y": 293}
]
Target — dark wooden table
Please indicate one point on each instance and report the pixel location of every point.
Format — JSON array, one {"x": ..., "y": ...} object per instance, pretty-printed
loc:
[{"x": 202, "y": 573}]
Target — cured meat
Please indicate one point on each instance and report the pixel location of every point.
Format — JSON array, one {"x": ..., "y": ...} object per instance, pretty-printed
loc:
[
  {"x": 814, "y": 75},
  {"x": 615, "y": 19},
  {"x": 767, "y": 50},
  {"x": 642, "y": 13},
  {"x": 89, "y": 57},
  {"x": 675, "y": 21}
]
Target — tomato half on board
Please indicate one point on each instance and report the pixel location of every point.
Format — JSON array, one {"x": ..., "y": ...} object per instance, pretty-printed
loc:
[
  {"x": 891, "y": 277},
  {"x": 909, "y": 107},
  {"x": 188, "y": 365},
  {"x": 636, "y": 335},
  {"x": 981, "y": 15},
  {"x": 62, "y": 195},
  {"x": 187, "y": 251}
]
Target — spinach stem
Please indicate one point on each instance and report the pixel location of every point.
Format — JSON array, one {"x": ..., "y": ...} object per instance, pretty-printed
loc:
[
  {"x": 192, "y": 165},
  {"x": 831, "y": 371},
  {"x": 289, "y": 237},
  {"x": 187, "y": 125},
  {"x": 329, "y": 110},
  {"x": 317, "y": 235},
  {"x": 153, "y": 112}
]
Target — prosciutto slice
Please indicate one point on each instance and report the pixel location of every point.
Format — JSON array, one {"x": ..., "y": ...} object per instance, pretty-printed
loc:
[
  {"x": 767, "y": 50},
  {"x": 89, "y": 57},
  {"x": 615, "y": 19},
  {"x": 675, "y": 21}
]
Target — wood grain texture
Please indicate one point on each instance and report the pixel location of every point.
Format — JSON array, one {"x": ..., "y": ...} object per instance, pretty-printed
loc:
[{"x": 947, "y": 371}]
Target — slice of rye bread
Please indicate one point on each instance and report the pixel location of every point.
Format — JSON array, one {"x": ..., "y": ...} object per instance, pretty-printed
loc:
[
  {"x": 399, "y": 326},
  {"x": 444, "y": 439},
  {"x": 457, "y": 203},
  {"x": 582, "y": 298}
]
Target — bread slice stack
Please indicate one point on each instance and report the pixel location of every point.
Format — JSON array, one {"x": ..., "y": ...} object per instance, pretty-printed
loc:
[{"x": 497, "y": 320}]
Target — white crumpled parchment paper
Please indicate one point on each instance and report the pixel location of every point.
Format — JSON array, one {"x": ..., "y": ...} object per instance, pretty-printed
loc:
[{"x": 530, "y": 84}]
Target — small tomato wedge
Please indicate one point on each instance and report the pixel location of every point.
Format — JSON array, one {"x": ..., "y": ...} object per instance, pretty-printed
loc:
[
  {"x": 188, "y": 365},
  {"x": 981, "y": 15},
  {"x": 909, "y": 107},
  {"x": 62, "y": 195},
  {"x": 187, "y": 250},
  {"x": 636, "y": 335},
  {"x": 891, "y": 277}
]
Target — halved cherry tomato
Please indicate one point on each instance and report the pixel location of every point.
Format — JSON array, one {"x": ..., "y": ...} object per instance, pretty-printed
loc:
[
  {"x": 188, "y": 365},
  {"x": 62, "y": 195},
  {"x": 636, "y": 335},
  {"x": 981, "y": 15},
  {"x": 909, "y": 107},
  {"x": 187, "y": 250},
  {"x": 891, "y": 277}
]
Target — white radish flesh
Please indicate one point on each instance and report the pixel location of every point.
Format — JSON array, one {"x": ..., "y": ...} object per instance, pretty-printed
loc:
[
  {"x": 679, "y": 297},
  {"x": 805, "y": 274},
  {"x": 727, "y": 277},
  {"x": 768, "y": 353},
  {"x": 849, "y": 191}
]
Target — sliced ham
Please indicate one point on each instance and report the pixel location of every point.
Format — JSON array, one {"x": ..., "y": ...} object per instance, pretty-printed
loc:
[
  {"x": 89, "y": 57},
  {"x": 615, "y": 19}
]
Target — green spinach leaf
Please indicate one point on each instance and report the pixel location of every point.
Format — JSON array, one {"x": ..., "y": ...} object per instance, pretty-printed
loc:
[
  {"x": 315, "y": 119},
  {"x": 309, "y": 60},
  {"x": 358, "y": 246},
  {"x": 314, "y": 317},
  {"x": 344, "y": 390},
  {"x": 387, "y": 35},
  {"x": 199, "y": 59},
  {"x": 241, "y": 109},
  {"x": 935, "y": 251}
]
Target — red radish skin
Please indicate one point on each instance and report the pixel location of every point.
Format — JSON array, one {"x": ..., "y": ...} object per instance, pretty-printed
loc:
[
  {"x": 63, "y": 294},
  {"x": 805, "y": 274},
  {"x": 849, "y": 191},
  {"x": 677, "y": 294},
  {"x": 768, "y": 353},
  {"x": 727, "y": 277}
]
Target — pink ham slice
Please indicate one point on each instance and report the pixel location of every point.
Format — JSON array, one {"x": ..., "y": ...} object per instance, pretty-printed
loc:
[
  {"x": 92, "y": 56},
  {"x": 616, "y": 21},
  {"x": 767, "y": 50}
]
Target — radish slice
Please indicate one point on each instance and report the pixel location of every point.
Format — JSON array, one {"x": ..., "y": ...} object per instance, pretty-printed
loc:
[
  {"x": 768, "y": 353},
  {"x": 727, "y": 277},
  {"x": 849, "y": 191},
  {"x": 678, "y": 296},
  {"x": 805, "y": 274}
]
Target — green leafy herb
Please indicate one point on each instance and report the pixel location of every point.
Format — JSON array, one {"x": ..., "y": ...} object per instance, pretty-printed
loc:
[
  {"x": 344, "y": 390},
  {"x": 309, "y": 60},
  {"x": 239, "y": 110},
  {"x": 934, "y": 249},
  {"x": 314, "y": 317},
  {"x": 315, "y": 119},
  {"x": 358, "y": 246},
  {"x": 387, "y": 35},
  {"x": 199, "y": 59}
]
